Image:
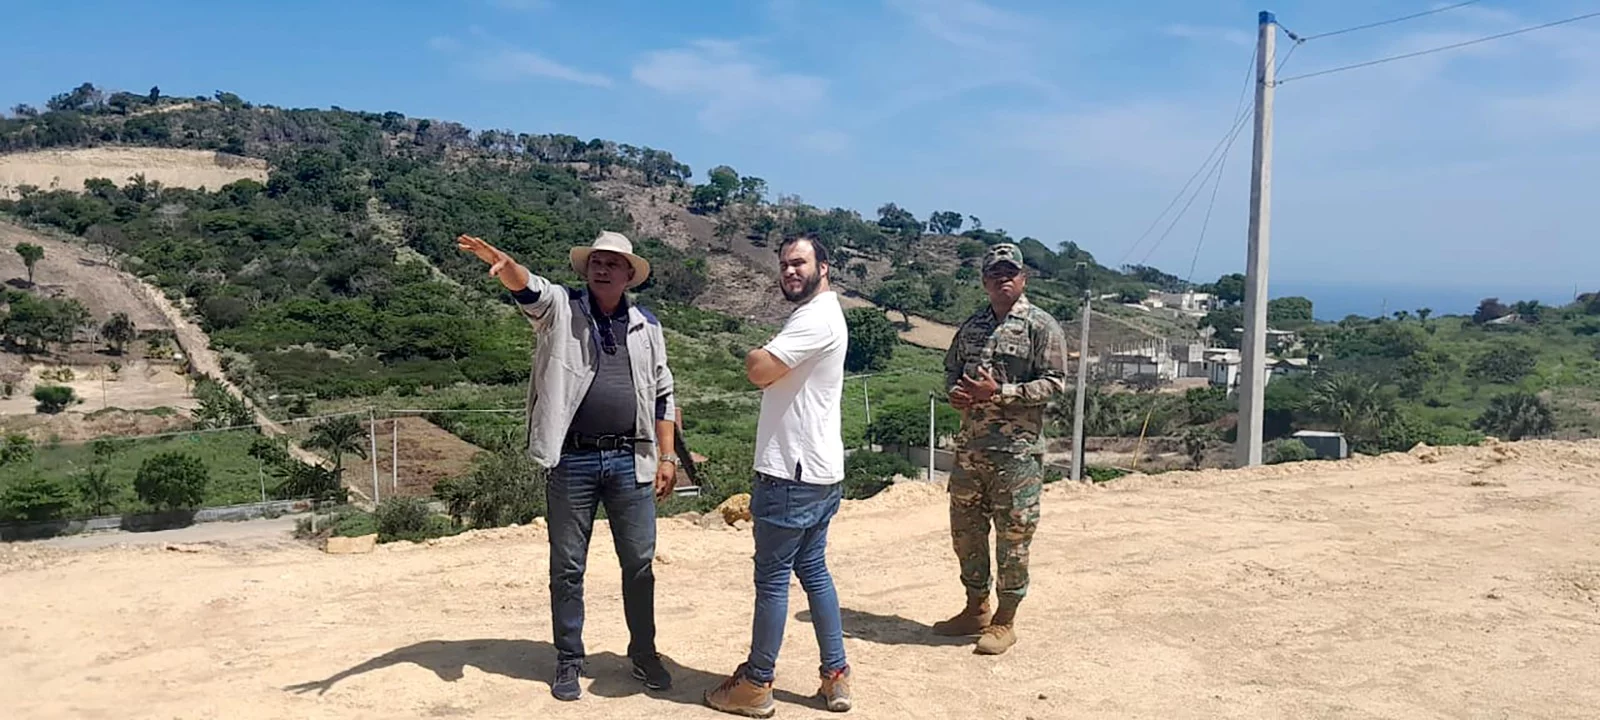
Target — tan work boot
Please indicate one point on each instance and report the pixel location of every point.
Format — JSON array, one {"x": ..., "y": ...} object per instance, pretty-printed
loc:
[
  {"x": 740, "y": 695},
  {"x": 836, "y": 689},
  {"x": 970, "y": 621},
  {"x": 1001, "y": 633}
]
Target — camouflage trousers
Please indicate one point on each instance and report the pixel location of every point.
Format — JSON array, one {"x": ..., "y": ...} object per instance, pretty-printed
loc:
[{"x": 1002, "y": 488}]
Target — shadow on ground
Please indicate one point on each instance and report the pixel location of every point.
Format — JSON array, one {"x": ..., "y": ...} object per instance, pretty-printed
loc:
[
  {"x": 888, "y": 629},
  {"x": 610, "y": 674}
]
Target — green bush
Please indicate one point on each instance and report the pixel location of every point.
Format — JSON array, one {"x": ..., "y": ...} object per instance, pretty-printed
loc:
[
  {"x": 1290, "y": 450},
  {"x": 52, "y": 399},
  {"x": 867, "y": 473},
  {"x": 35, "y": 498},
  {"x": 172, "y": 480},
  {"x": 402, "y": 518}
]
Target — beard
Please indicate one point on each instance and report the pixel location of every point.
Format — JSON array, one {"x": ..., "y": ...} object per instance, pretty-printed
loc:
[{"x": 807, "y": 289}]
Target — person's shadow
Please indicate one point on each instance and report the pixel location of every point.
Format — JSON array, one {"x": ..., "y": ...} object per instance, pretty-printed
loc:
[
  {"x": 610, "y": 674},
  {"x": 888, "y": 629}
]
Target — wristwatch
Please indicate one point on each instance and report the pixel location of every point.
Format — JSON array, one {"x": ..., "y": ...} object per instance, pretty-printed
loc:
[{"x": 671, "y": 458}]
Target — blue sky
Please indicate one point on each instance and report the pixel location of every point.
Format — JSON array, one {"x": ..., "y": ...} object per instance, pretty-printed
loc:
[{"x": 1461, "y": 174}]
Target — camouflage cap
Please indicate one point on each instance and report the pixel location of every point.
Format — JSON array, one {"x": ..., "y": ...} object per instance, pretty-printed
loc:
[{"x": 1003, "y": 253}]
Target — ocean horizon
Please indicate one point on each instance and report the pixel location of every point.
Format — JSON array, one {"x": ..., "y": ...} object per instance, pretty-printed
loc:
[{"x": 1332, "y": 303}]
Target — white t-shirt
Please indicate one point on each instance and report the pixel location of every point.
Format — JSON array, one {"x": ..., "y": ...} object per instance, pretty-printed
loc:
[{"x": 799, "y": 422}]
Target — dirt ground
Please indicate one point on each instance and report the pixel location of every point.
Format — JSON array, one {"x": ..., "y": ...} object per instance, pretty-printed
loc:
[
  {"x": 67, "y": 169},
  {"x": 74, "y": 271},
  {"x": 1463, "y": 584},
  {"x": 428, "y": 454},
  {"x": 923, "y": 332},
  {"x": 138, "y": 385}
]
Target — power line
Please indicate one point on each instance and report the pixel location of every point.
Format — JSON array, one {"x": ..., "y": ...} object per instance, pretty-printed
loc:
[
  {"x": 1381, "y": 23},
  {"x": 1443, "y": 48}
]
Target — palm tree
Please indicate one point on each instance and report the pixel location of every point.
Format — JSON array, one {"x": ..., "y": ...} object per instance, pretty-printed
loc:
[
  {"x": 1356, "y": 405},
  {"x": 338, "y": 436},
  {"x": 1517, "y": 415}
]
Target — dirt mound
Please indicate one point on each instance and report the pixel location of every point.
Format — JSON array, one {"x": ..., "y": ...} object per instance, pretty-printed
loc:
[
  {"x": 67, "y": 169},
  {"x": 1396, "y": 586},
  {"x": 77, "y": 427}
]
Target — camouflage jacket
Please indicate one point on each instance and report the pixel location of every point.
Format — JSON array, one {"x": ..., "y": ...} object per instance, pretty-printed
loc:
[{"x": 1026, "y": 353}]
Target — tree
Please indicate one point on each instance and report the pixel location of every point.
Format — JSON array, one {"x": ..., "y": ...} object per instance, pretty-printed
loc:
[
  {"x": 1290, "y": 313},
  {"x": 338, "y": 436},
  {"x": 906, "y": 424},
  {"x": 172, "y": 481},
  {"x": 118, "y": 331},
  {"x": 1229, "y": 289},
  {"x": 35, "y": 498},
  {"x": 31, "y": 255},
  {"x": 1517, "y": 415},
  {"x": 94, "y": 486},
  {"x": 945, "y": 222},
  {"x": 1490, "y": 309},
  {"x": 218, "y": 407},
  {"x": 903, "y": 295},
  {"x": 872, "y": 340},
  {"x": 1505, "y": 364},
  {"x": 1355, "y": 404},
  {"x": 16, "y": 449}
]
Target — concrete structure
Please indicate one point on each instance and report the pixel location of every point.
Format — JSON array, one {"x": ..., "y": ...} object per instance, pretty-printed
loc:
[
  {"x": 1187, "y": 302},
  {"x": 1327, "y": 445},
  {"x": 1222, "y": 367}
]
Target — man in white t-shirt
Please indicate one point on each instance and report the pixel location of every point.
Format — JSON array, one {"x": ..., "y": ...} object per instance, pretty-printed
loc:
[{"x": 799, "y": 465}]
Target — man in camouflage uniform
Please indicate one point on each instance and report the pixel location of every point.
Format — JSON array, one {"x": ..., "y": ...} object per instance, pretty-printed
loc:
[{"x": 1007, "y": 361}]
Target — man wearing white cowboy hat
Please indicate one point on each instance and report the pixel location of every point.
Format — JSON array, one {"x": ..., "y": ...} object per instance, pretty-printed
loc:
[{"x": 600, "y": 418}]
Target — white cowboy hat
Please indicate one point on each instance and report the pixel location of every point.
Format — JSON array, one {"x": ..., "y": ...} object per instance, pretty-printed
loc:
[{"x": 611, "y": 242}]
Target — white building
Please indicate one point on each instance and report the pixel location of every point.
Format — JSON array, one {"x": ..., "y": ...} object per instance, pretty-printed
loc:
[{"x": 1187, "y": 302}]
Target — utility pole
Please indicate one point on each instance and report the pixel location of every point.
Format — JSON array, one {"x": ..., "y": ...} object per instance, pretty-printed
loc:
[
  {"x": 372, "y": 440},
  {"x": 1253, "y": 379},
  {"x": 1083, "y": 374},
  {"x": 930, "y": 436},
  {"x": 866, "y": 399},
  {"x": 394, "y": 455}
]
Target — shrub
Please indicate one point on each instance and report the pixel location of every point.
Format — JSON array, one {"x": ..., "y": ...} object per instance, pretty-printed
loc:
[
  {"x": 403, "y": 518},
  {"x": 171, "y": 481},
  {"x": 504, "y": 488},
  {"x": 35, "y": 498},
  {"x": 867, "y": 473},
  {"x": 1291, "y": 450},
  {"x": 52, "y": 399}
]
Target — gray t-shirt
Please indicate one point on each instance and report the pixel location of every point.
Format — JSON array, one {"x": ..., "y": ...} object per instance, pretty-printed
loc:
[{"x": 608, "y": 407}]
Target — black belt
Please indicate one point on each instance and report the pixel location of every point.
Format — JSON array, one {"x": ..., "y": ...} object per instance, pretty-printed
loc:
[{"x": 579, "y": 441}]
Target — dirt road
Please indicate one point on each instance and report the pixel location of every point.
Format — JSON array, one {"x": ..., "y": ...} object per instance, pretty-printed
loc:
[
  {"x": 1464, "y": 587},
  {"x": 245, "y": 533}
]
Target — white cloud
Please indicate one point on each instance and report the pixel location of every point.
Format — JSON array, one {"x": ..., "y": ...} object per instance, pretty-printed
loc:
[
  {"x": 729, "y": 85},
  {"x": 522, "y": 64},
  {"x": 969, "y": 24},
  {"x": 444, "y": 43}
]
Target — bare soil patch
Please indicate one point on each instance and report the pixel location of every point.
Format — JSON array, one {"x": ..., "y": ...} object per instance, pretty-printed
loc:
[
  {"x": 67, "y": 169},
  {"x": 74, "y": 271},
  {"x": 428, "y": 454},
  {"x": 137, "y": 385},
  {"x": 1376, "y": 587}
]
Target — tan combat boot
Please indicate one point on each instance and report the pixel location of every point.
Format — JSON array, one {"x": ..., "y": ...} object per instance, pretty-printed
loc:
[
  {"x": 740, "y": 695},
  {"x": 1001, "y": 633},
  {"x": 970, "y": 621}
]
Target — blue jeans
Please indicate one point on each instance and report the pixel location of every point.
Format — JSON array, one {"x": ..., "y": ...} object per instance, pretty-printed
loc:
[
  {"x": 574, "y": 489},
  {"x": 791, "y": 534}
]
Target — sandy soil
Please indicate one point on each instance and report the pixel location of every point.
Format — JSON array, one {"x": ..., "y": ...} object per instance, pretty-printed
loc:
[
  {"x": 923, "y": 332},
  {"x": 67, "y": 169},
  {"x": 78, "y": 427},
  {"x": 75, "y": 271},
  {"x": 138, "y": 385},
  {"x": 1462, "y": 585}
]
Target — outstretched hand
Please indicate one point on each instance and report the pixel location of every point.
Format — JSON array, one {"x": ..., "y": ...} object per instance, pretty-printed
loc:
[{"x": 501, "y": 266}]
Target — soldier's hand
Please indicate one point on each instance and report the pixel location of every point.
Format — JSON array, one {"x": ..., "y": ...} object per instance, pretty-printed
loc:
[{"x": 981, "y": 389}]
